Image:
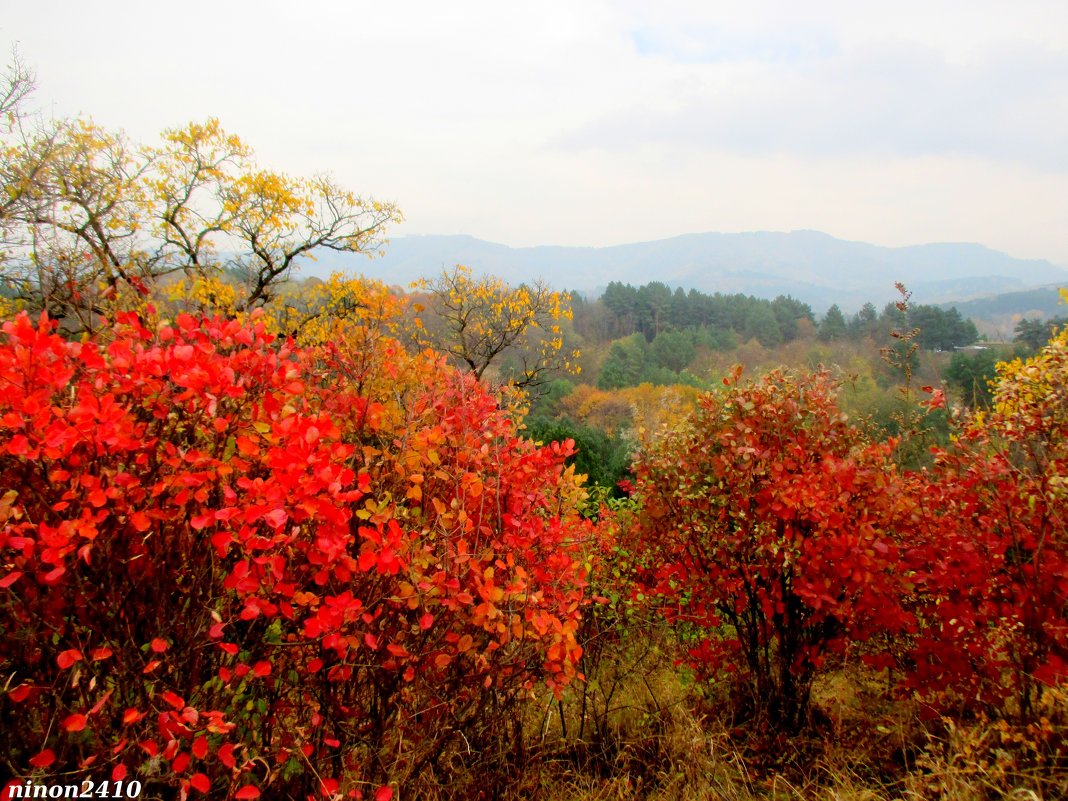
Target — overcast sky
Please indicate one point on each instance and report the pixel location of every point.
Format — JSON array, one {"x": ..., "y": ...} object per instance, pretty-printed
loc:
[{"x": 593, "y": 123}]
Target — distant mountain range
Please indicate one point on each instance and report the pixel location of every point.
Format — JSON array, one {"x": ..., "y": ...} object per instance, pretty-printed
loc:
[{"x": 811, "y": 266}]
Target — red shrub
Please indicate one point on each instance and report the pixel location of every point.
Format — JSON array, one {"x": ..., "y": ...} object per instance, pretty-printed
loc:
[
  {"x": 771, "y": 538},
  {"x": 992, "y": 568},
  {"x": 226, "y": 561}
]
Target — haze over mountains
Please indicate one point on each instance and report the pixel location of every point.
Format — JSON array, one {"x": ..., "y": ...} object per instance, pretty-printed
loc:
[{"x": 811, "y": 266}]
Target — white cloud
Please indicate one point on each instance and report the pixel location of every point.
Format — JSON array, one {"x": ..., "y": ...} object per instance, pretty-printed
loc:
[{"x": 894, "y": 99}]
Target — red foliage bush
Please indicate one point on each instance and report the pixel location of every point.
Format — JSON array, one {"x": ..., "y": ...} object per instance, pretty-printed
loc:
[
  {"x": 228, "y": 562},
  {"x": 771, "y": 538},
  {"x": 992, "y": 563}
]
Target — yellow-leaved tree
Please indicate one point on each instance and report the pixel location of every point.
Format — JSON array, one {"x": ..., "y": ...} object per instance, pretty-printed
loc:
[
  {"x": 482, "y": 321},
  {"x": 91, "y": 221}
]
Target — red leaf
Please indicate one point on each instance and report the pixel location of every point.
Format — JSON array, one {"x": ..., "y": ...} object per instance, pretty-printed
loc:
[
  {"x": 10, "y": 579},
  {"x": 74, "y": 722},
  {"x": 20, "y": 693},
  {"x": 118, "y": 773},
  {"x": 276, "y": 518},
  {"x": 131, "y": 715},
  {"x": 100, "y": 704},
  {"x": 226, "y": 756},
  {"x": 201, "y": 521},
  {"x": 200, "y": 782},
  {"x": 383, "y": 794},
  {"x": 100, "y": 653},
  {"x": 180, "y": 762},
  {"x": 426, "y": 621},
  {"x": 158, "y": 645},
  {"x": 43, "y": 759},
  {"x": 200, "y": 747},
  {"x": 173, "y": 699},
  {"x": 262, "y": 668},
  {"x": 248, "y": 791},
  {"x": 68, "y": 658}
]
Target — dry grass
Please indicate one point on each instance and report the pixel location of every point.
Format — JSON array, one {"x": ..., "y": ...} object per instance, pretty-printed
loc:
[
  {"x": 638, "y": 730},
  {"x": 664, "y": 742}
]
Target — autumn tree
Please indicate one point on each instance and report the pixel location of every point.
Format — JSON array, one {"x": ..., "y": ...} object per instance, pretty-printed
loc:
[
  {"x": 92, "y": 219},
  {"x": 16, "y": 85},
  {"x": 479, "y": 322}
]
